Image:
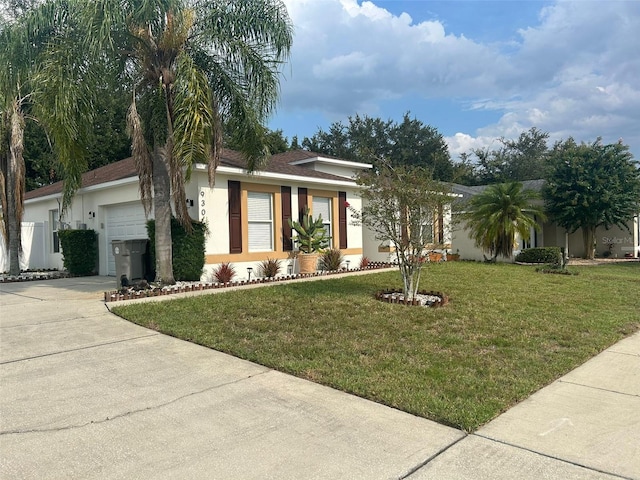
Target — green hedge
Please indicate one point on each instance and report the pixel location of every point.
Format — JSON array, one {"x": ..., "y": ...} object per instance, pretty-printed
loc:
[
  {"x": 550, "y": 255},
  {"x": 188, "y": 249},
  {"x": 80, "y": 251}
]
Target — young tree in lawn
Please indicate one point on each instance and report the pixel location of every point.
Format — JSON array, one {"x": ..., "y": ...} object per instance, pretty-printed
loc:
[
  {"x": 497, "y": 214},
  {"x": 196, "y": 66},
  {"x": 592, "y": 185},
  {"x": 400, "y": 204}
]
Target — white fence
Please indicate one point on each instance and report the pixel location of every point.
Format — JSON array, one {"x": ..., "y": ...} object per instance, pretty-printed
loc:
[{"x": 34, "y": 248}]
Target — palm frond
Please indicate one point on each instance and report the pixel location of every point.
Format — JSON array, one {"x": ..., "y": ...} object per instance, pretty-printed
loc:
[
  {"x": 499, "y": 213},
  {"x": 194, "y": 116},
  {"x": 141, "y": 156},
  {"x": 63, "y": 99}
]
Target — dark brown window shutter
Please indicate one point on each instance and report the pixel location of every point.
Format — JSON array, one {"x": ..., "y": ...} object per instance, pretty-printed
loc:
[
  {"x": 235, "y": 217},
  {"x": 287, "y": 244},
  {"x": 342, "y": 218},
  {"x": 302, "y": 202}
]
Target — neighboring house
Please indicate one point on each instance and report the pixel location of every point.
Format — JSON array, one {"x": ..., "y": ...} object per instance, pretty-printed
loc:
[
  {"x": 246, "y": 214},
  {"x": 438, "y": 232},
  {"x": 619, "y": 242}
]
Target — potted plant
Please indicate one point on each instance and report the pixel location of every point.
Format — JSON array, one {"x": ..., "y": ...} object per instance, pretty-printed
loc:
[
  {"x": 453, "y": 257},
  {"x": 311, "y": 237}
]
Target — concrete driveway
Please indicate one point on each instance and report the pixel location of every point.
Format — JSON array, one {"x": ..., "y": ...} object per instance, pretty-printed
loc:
[{"x": 85, "y": 394}]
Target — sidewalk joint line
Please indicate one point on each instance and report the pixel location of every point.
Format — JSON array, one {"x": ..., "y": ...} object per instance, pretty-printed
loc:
[
  {"x": 599, "y": 388},
  {"x": 131, "y": 412},
  {"x": 432, "y": 457},
  {"x": 569, "y": 462},
  {"x": 52, "y": 322},
  {"x": 22, "y": 296},
  {"x": 79, "y": 348}
]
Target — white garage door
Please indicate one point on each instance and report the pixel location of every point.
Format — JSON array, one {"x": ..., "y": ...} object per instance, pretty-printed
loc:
[{"x": 124, "y": 222}]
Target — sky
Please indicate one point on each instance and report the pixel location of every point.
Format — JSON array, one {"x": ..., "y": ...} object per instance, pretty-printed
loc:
[{"x": 477, "y": 70}]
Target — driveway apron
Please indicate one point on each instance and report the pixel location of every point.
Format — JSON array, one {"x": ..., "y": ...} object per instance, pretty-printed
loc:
[{"x": 85, "y": 394}]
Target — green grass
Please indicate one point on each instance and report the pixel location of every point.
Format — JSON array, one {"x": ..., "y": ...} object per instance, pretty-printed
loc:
[{"x": 507, "y": 332}]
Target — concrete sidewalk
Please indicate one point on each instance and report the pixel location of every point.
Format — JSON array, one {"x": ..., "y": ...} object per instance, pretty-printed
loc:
[
  {"x": 585, "y": 425},
  {"x": 85, "y": 394}
]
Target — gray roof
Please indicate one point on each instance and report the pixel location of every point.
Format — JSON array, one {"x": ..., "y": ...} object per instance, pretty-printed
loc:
[{"x": 468, "y": 192}]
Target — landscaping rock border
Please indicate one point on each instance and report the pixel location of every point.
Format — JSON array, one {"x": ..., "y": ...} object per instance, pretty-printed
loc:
[
  {"x": 144, "y": 290},
  {"x": 33, "y": 276},
  {"x": 423, "y": 298}
]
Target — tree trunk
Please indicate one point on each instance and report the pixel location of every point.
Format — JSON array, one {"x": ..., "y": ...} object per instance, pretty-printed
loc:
[
  {"x": 14, "y": 189},
  {"x": 589, "y": 239},
  {"x": 13, "y": 222},
  {"x": 162, "y": 213}
]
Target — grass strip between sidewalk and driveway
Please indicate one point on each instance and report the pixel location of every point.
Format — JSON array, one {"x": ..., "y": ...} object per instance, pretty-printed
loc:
[{"x": 507, "y": 332}]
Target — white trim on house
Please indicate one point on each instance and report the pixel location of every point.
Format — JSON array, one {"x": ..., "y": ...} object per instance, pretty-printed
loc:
[
  {"x": 333, "y": 161},
  {"x": 279, "y": 176},
  {"x": 84, "y": 190}
]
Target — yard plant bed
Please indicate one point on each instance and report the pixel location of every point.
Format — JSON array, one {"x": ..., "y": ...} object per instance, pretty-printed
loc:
[{"x": 507, "y": 332}]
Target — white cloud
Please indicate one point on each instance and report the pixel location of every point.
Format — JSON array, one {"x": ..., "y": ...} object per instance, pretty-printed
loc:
[
  {"x": 365, "y": 50},
  {"x": 464, "y": 143},
  {"x": 573, "y": 73}
]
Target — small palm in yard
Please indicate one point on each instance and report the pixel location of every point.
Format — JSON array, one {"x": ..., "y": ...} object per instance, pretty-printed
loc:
[{"x": 498, "y": 214}]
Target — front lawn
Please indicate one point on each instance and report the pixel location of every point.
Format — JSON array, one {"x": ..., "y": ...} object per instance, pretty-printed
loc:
[{"x": 507, "y": 332}]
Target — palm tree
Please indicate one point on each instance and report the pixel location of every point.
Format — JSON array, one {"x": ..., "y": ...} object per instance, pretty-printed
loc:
[
  {"x": 498, "y": 213},
  {"x": 194, "y": 66},
  {"x": 41, "y": 80}
]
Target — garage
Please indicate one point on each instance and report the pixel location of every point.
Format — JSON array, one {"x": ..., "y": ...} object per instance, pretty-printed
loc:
[{"x": 124, "y": 221}]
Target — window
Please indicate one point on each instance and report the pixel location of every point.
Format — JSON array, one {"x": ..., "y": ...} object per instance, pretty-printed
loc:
[
  {"x": 322, "y": 206},
  {"x": 54, "y": 218},
  {"x": 427, "y": 233},
  {"x": 260, "y": 217}
]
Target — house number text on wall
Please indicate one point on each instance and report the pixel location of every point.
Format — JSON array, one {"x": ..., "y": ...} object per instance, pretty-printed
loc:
[{"x": 202, "y": 203}]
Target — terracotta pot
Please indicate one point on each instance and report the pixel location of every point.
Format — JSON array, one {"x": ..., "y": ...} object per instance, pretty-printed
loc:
[
  {"x": 308, "y": 262},
  {"x": 435, "y": 257}
]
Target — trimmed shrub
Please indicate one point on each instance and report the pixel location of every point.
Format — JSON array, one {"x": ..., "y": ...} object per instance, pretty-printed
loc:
[
  {"x": 331, "y": 260},
  {"x": 269, "y": 268},
  {"x": 188, "y": 249},
  {"x": 80, "y": 251},
  {"x": 550, "y": 255}
]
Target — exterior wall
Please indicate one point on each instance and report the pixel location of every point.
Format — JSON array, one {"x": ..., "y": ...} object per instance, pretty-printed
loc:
[
  {"x": 463, "y": 244},
  {"x": 623, "y": 242},
  {"x": 551, "y": 235},
  {"x": 89, "y": 208},
  {"x": 378, "y": 250},
  {"x": 214, "y": 210}
]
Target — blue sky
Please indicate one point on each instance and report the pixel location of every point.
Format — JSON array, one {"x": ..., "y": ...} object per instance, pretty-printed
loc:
[{"x": 477, "y": 70}]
